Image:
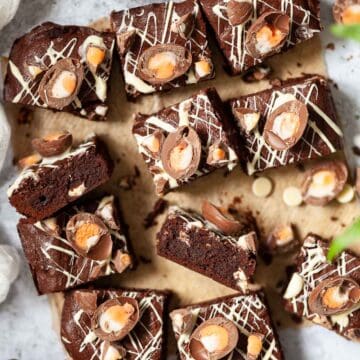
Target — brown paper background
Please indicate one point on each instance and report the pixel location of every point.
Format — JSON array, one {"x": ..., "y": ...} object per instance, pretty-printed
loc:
[{"x": 188, "y": 286}]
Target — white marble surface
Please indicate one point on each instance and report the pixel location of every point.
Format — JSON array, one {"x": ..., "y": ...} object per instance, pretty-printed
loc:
[{"x": 25, "y": 321}]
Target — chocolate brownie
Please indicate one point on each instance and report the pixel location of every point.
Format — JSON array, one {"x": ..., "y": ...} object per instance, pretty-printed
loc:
[
  {"x": 248, "y": 32},
  {"x": 60, "y": 260},
  {"x": 287, "y": 124},
  {"x": 162, "y": 46},
  {"x": 187, "y": 140},
  {"x": 214, "y": 245},
  {"x": 114, "y": 324},
  {"x": 57, "y": 180},
  {"x": 233, "y": 327},
  {"x": 63, "y": 68},
  {"x": 326, "y": 293}
]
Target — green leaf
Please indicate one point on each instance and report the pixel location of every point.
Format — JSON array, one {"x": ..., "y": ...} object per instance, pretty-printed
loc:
[
  {"x": 350, "y": 236},
  {"x": 346, "y": 31}
]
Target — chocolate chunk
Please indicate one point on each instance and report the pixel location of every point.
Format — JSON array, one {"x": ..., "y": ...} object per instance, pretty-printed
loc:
[
  {"x": 334, "y": 296},
  {"x": 268, "y": 34},
  {"x": 153, "y": 143},
  {"x": 28, "y": 161},
  {"x": 323, "y": 182},
  {"x": 125, "y": 40},
  {"x": 239, "y": 11},
  {"x": 217, "y": 154},
  {"x": 181, "y": 153},
  {"x": 115, "y": 318},
  {"x": 163, "y": 63},
  {"x": 254, "y": 346},
  {"x": 225, "y": 224},
  {"x": 61, "y": 83},
  {"x": 89, "y": 236},
  {"x": 347, "y": 11},
  {"x": 224, "y": 334},
  {"x": 184, "y": 26},
  {"x": 282, "y": 239},
  {"x": 53, "y": 144},
  {"x": 87, "y": 301},
  {"x": 285, "y": 125},
  {"x": 204, "y": 68},
  {"x": 95, "y": 56}
]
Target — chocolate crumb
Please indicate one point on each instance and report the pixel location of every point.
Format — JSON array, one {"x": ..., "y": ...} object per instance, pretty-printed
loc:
[
  {"x": 330, "y": 46},
  {"x": 299, "y": 64},
  {"x": 356, "y": 150},
  {"x": 127, "y": 182},
  {"x": 25, "y": 116},
  {"x": 257, "y": 73},
  {"x": 300, "y": 167},
  {"x": 159, "y": 207},
  {"x": 334, "y": 218},
  {"x": 144, "y": 259},
  {"x": 275, "y": 82}
]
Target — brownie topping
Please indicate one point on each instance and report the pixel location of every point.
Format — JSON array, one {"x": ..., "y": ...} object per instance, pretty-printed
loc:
[
  {"x": 125, "y": 39},
  {"x": 184, "y": 26},
  {"x": 87, "y": 301},
  {"x": 203, "y": 68},
  {"x": 121, "y": 261},
  {"x": 247, "y": 118},
  {"x": 281, "y": 237},
  {"x": 334, "y": 296},
  {"x": 286, "y": 124},
  {"x": 217, "y": 154},
  {"x": 106, "y": 210},
  {"x": 153, "y": 143},
  {"x": 239, "y": 11},
  {"x": 254, "y": 346},
  {"x": 324, "y": 182},
  {"x": 115, "y": 318},
  {"x": 61, "y": 83},
  {"x": 53, "y": 144},
  {"x": 28, "y": 161},
  {"x": 112, "y": 351},
  {"x": 225, "y": 224},
  {"x": 213, "y": 339},
  {"x": 267, "y": 34},
  {"x": 89, "y": 236},
  {"x": 347, "y": 11},
  {"x": 181, "y": 153},
  {"x": 95, "y": 56},
  {"x": 163, "y": 63}
]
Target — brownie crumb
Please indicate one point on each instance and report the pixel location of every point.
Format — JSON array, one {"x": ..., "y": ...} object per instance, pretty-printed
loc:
[
  {"x": 356, "y": 150},
  {"x": 330, "y": 46},
  {"x": 159, "y": 207},
  {"x": 299, "y": 64},
  {"x": 334, "y": 218},
  {"x": 127, "y": 182},
  {"x": 25, "y": 116},
  {"x": 275, "y": 82},
  {"x": 144, "y": 259},
  {"x": 257, "y": 73}
]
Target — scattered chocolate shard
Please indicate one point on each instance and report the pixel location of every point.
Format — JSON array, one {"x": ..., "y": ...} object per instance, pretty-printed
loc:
[
  {"x": 268, "y": 34},
  {"x": 53, "y": 144},
  {"x": 163, "y": 63},
  {"x": 159, "y": 207}
]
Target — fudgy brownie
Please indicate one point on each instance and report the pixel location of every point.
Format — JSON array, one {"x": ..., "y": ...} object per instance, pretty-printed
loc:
[
  {"x": 214, "y": 245},
  {"x": 162, "y": 46},
  {"x": 78, "y": 245},
  {"x": 61, "y": 68},
  {"x": 62, "y": 175},
  {"x": 233, "y": 327},
  {"x": 187, "y": 140},
  {"x": 289, "y": 123},
  {"x": 248, "y": 32},
  {"x": 114, "y": 324},
  {"x": 326, "y": 293}
]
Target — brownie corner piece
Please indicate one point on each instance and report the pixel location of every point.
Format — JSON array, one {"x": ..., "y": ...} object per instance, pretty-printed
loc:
[
  {"x": 47, "y": 186},
  {"x": 60, "y": 251},
  {"x": 162, "y": 46},
  {"x": 326, "y": 293},
  {"x": 85, "y": 335},
  {"x": 240, "y": 29},
  {"x": 191, "y": 240},
  {"x": 245, "y": 319},
  {"x": 51, "y": 55},
  {"x": 188, "y": 140},
  {"x": 311, "y": 130}
]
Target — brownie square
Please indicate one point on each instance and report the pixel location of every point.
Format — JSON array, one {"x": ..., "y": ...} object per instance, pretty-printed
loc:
[
  {"x": 48, "y": 186},
  {"x": 145, "y": 341},
  {"x": 190, "y": 240},
  {"x": 203, "y": 113},
  {"x": 179, "y": 24},
  {"x": 231, "y": 35},
  {"x": 36, "y": 54},
  {"x": 56, "y": 265},
  {"x": 249, "y": 314},
  {"x": 314, "y": 272},
  {"x": 322, "y": 135}
]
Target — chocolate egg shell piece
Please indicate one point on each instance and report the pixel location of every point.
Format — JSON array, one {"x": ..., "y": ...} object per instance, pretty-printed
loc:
[
  {"x": 247, "y": 118},
  {"x": 225, "y": 224},
  {"x": 87, "y": 301},
  {"x": 217, "y": 154},
  {"x": 340, "y": 171},
  {"x": 181, "y": 153},
  {"x": 163, "y": 63},
  {"x": 290, "y": 111},
  {"x": 125, "y": 40},
  {"x": 334, "y": 296},
  {"x": 50, "y": 78},
  {"x": 85, "y": 227},
  {"x": 220, "y": 327},
  {"x": 276, "y": 24},
  {"x": 184, "y": 26},
  {"x": 126, "y": 304},
  {"x": 53, "y": 144},
  {"x": 239, "y": 11}
]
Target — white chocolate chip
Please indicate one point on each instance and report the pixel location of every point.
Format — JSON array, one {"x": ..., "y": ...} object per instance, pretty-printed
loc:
[
  {"x": 77, "y": 191},
  {"x": 346, "y": 195},
  {"x": 292, "y": 196},
  {"x": 4, "y": 287},
  {"x": 294, "y": 287},
  {"x": 9, "y": 262},
  {"x": 262, "y": 187}
]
